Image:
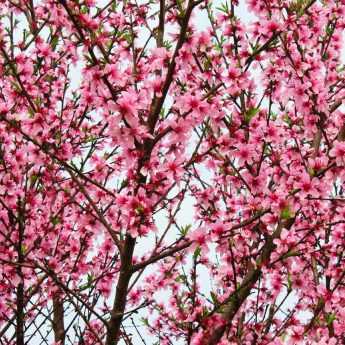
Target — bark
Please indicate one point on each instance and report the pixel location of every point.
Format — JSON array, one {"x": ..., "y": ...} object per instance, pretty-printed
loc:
[
  {"x": 121, "y": 292},
  {"x": 20, "y": 314},
  {"x": 20, "y": 287},
  {"x": 58, "y": 320},
  {"x": 160, "y": 34}
]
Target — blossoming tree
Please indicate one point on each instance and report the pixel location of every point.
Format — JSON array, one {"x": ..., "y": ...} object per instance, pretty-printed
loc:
[{"x": 116, "y": 117}]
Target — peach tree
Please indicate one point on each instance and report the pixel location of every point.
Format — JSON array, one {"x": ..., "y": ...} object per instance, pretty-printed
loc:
[{"x": 172, "y": 172}]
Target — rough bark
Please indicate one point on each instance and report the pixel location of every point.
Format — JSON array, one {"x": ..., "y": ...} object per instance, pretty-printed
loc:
[
  {"x": 58, "y": 320},
  {"x": 121, "y": 292}
]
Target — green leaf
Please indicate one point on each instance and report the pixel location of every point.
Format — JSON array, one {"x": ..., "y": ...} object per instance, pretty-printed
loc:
[
  {"x": 214, "y": 298},
  {"x": 180, "y": 5},
  {"x": 90, "y": 278},
  {"x": 162, "y": 113},
  {"x": 139, "y": 209},
  {"x": 286, "y": 213},
  {"x": 57, "y": 135},
  {"x": 298, "y": 6},
  {"x": 55, "y": 220},
  {"x": 224, "y": 8},
  {"x": 287, "y": 119},
  {"x": 197, "y": 253},
  {"x": 114, "y": 6},
  {"x": 23, "y": 248},
  {"x": 38, "y": 101},
  {"x": 250, "y": 114},
  {"x": 291, "y": 253},
  {"x": 124, "y": 183},
  {"x": 54, "y": 42},
  {"x": 84, "y": 10},
  {"x": 330, "y": 318},
  {"x": 33, "y": 179},
  {"x": 207, "y": 64},
  {"x": 167, "y": 45},
  {"x": 145, "y": 321},
  {"x": 127, "y": 35},
  {"x": 273, "y": 116},
  {"x": 184, "y": 229},
  {"x": 88, "y": 284},
  {"x": 311, "y": 172},
  {"x": 180, "y": 279}
]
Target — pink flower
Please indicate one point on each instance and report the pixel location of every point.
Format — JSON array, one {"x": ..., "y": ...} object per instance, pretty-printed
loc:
[
  {"x": 200, "y": 238},
  {"x": 338, "y": 152},
  {"x": 245, "y": 153}
]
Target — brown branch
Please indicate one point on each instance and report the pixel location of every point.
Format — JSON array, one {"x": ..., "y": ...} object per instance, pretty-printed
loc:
[
  {"x": 160, "y": 33},
  {"x": 235, "y": 301},
  {"x": 161, "y": 256},
  {"x": 264, "y": 47},
  {"x": 58, "y": 320},
  {"x": 101, "y": 217},
  {"x": 20, "y": 288},
  {"x": 29, "y": 293},
  {"x": 115, "y": 321},
  {"x": 157, "y": 103}
]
